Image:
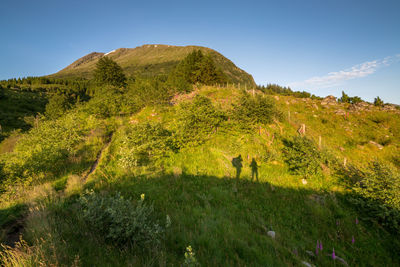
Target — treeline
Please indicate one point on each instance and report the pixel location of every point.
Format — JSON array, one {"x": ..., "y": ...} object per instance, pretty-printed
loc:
[{"x": 275, "y": 89}]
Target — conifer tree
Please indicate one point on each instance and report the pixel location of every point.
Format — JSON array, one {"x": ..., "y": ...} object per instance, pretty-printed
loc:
[{"x": 108, "y": 72}]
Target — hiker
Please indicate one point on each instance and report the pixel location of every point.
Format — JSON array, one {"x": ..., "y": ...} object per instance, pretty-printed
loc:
[
  {"x": 237, "y": 163},
  {"x": 254, "y": 169}
]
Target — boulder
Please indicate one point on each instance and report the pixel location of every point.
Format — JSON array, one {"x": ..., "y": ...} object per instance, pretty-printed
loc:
[
  {"x": 329, "y": 100},
  {"x": 379, "y": 146},
  {"x": 271, "y": 234}
]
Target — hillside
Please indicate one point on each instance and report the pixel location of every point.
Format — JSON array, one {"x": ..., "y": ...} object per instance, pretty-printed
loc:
[
  {"x": 150, "y": 60},
  {"x": 156, "y": 186}
]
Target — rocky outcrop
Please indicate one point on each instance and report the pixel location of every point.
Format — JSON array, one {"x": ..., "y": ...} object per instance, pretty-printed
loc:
[{"x": 329, "y": 101}]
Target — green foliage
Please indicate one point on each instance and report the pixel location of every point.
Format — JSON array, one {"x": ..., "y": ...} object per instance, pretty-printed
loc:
[
  {"x": 258, "y": 109},
  {"x": 378, "y": 102},
  {"x": 122, "y": 221},
  {"x": 57, "y": 105},
  {"x": 302, "y": 156},
  {"x": 347, "y": 99},
  {"x": 145, "y": 91},
  {"x": 108, "y": 72},
  {"x": 196, "y": 68},
  {"x": 2, "y": 94},
  {"x": 144, "y": 143},
  {"x": 197, "y": 120},
  {"x": 17, "y": 110},
  {"x": 378, "y": 195},
  {"x": 46, "y": 148}
]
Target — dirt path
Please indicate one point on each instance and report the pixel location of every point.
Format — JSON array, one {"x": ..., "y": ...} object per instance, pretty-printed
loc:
[{"x": 96, "y": 162}]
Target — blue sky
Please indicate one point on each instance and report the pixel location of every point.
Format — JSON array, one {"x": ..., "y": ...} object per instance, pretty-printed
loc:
[{"x": 323, "y": 46}]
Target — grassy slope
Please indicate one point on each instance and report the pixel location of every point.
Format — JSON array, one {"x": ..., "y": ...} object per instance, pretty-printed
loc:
[
  {"x": 150, "y": 60},
  {"x": 223, "y": 226}
]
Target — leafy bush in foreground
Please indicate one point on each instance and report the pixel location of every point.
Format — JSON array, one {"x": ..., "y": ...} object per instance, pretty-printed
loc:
[
  {"x": 121, "y": 221},
  {"x": 378, "y": 195}
]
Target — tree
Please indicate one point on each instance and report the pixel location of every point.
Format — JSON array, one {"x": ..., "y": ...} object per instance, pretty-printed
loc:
[
  {"x": 108, "y": 72},
  {"x": 1, "y": 92},
  {"x": 345, "y": 98},
  {"x": 195, "y": 68},
  {"x": 378, "y": 102}
]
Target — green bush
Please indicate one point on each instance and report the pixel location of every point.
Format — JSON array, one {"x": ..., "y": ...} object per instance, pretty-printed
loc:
[
  {"x": 45, "y": 149},
  {"x": 57, "y": 105},
  {"x": 302, "y": 156},
  {"x": 197, "y": 120},
  {"x": 253, "y": 110},
  {"x": 378, "y": 195},
  {"x": 122, "y": 221},
  {"x": 144, "y": 143}
]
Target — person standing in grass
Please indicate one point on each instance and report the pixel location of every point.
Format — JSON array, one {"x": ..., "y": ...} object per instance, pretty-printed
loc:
[
  {"x": 237, "y": 163},
  {"x": 254, "y": 169}
]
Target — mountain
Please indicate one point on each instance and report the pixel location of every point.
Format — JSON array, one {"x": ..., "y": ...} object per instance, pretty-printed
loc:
[{"x": 150, "y": 60}]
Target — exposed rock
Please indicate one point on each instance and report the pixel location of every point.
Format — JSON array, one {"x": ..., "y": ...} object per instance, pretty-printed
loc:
[
  {"x": 341, "y": 260},
  {"x": 307, "y": 264},
  {"x": 379, "y": 146},
  {"x": 362, "y": 106},
  {"x": 340, "y": 112},
  {"x": 329, "y": 100},
  {"x": 315, "y": 106},
  {"x": 310, "y": 253},
  {"x": 271, "y": 234}
]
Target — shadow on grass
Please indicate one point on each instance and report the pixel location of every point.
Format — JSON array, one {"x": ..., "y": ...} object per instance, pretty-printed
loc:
[{"x": 225, "y": 223}]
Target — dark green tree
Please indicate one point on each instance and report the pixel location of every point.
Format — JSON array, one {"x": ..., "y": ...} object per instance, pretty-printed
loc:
[
  {"x": 108, "y": 72},
  {"x": 378, "y": 102},
  {"x": 345, "y": 98}
]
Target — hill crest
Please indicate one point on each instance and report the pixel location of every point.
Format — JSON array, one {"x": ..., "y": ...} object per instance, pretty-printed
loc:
[{"x": 151, "y": 60}]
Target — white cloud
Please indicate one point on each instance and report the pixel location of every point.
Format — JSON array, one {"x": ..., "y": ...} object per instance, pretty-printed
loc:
[{"x": 338, "y": 77}]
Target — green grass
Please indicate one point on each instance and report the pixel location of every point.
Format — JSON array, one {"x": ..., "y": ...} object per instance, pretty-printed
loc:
[
  {"x": 151, "y": 60},
  {"x": 225, "y": 222}
]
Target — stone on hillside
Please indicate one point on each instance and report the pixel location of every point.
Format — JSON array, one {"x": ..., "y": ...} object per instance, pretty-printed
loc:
[
  {"x": 271, "y": 234},
  {"x": 341, "y": 260},
  {"x": 329, "y": 100},
  {"x": 310, "y": 253},
  {"x": 315, "y": 106},
  {"x": 379, "y": 146},
  {"x": 307, "y": 264},
  {"x": 340, "y": 112},
  {"x": 304, "y": 181}
]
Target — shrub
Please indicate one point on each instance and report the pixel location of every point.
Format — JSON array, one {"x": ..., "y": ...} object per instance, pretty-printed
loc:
[
  {"x": 46, "y": 148},
  {"x": 57, "y": 105},
  {"x": 378, "y": 195},
  {"x": 144, "y": 143},
  {"x": 197, "y": 120},
  {"x": 378, "y": 102},
  {"x": 302, "y": 156},
  {"x": 122, "y": 221},
  {"x": 255, "y": 110}
]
